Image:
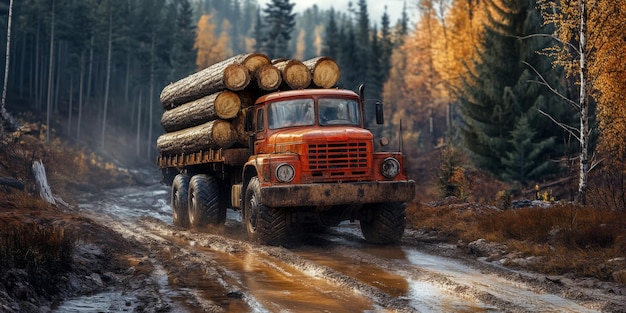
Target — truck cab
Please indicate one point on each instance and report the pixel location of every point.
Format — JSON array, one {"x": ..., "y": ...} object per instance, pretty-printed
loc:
[{"x": 313, "y": 161}]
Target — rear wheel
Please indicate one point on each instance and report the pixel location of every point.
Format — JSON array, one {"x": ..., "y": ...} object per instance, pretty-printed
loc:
[
  {"x": 205, "y": 204},
  {"x": 384, "y": 223},
  {"x": 264, "y": 225},
  {"x": 180, "y": 214}
]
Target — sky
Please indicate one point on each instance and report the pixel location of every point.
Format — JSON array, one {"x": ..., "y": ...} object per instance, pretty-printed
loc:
[{"x": 375, "y": 8}]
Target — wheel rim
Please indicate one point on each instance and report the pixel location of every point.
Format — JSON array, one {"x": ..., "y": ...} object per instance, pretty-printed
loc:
[
  {"x": 192, "y": 209},
  {"x": 253, "y": 213}
]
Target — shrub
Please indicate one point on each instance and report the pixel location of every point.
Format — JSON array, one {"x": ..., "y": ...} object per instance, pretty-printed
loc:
[{"x": 451, "y": 179}]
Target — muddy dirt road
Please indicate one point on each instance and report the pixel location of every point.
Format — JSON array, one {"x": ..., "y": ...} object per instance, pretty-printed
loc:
[{"x": 331, "y": 271}]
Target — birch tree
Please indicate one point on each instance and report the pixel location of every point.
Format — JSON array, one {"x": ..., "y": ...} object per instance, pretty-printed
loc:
[
  {"x": 3, "y": 113},
  {"x": 571, "y": 19}
]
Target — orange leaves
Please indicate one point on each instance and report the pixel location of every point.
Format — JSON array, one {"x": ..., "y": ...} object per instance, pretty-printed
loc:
[{"x": 211, "y": 49}]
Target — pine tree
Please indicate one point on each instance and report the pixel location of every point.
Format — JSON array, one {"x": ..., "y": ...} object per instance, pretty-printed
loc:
[
  {"x": 183, "y": 51},
  {"x": 363, "y": 45},
  {"x": 280, "y": 24},
  {"x": 375, "y": 77},
  {"x": 348, "y": 61},
  {"x": 498, "y": 92},
  {"x": 258, "y": 34},
  {"x": 525, "y": 161},
  {"x": 386, "y": 46},
  {"x": 331, "y": 40}
]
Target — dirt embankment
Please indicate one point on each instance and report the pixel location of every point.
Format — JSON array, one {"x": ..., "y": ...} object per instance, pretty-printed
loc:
[{"x": 49, "y": 252}]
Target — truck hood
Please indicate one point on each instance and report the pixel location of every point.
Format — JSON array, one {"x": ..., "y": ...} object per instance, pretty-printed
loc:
[{"x": 290, "y": 140}]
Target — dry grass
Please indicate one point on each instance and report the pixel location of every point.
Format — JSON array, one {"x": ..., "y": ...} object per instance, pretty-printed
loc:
[
  {"x": 567, "y": 237},
  {"x": 37, "y": 239},
  {"x": 31, "y": 244}
]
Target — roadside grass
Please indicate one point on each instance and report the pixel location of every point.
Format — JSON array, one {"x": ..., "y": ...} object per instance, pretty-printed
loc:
[
  {"x": 32, "y": 248},
  {"x": 36, "y": 240},
  {"x": 568, "y": 238}
]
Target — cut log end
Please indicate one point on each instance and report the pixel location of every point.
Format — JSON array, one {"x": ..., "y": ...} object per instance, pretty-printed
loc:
[
  {"x": 227, "y": 105},
  {"x": 223, "y": 134},
  {"x": 268, "y": 77},
  {"x": 236, "y": 77},
  {"x": 296, "y": 75},
  {"x": 255, "y": 61},
  {"x": 326, "y": 73}
]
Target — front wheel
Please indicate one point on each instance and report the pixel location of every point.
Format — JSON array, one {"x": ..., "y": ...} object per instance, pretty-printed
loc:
[
  {"x": 384, "y": 223},
  {"x": 264, "y": 225},
  {"x": 180, "y": 214},
  {"x": 205, "y": 204}
]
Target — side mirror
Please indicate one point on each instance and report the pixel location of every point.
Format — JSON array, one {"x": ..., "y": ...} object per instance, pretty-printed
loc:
[{"x": 379, "y": 113}]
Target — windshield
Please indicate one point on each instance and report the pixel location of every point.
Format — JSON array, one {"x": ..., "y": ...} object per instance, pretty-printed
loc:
[
  {"x": 336, "y": 111},
  {"x": 296, "y": 112}
]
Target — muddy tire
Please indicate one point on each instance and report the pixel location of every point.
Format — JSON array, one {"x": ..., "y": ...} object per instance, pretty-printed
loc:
[
  {"x": 265, "y": 225},
  {"x": 205, "y": 204},
  {"x": 178, "y": 196},
  {"x": 385, "y": 223}
]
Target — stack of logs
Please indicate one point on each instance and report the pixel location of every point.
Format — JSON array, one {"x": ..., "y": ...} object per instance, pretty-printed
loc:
[{"x": 205, "y": 110}]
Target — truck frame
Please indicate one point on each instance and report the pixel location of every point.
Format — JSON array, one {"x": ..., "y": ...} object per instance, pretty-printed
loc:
[{"x": 310, "y": 160}]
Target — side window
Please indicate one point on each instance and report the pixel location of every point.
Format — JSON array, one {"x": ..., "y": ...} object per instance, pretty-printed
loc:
[{"x": 260, "y": 120}]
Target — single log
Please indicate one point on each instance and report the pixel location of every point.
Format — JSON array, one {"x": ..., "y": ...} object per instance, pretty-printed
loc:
[
  {"x": 232, "y": 74},
  {"x": 255, "y": 61},
  {"x": 325, "y": 71},
  {"x": 11, "y": 182},
  {"x": 220, "y": 105},
  {"x": 239, "y": 126},
  {"x": 295, "y": 74},
  {"x": 211, "y": 135},
  {"x": 268, "y": 77}
]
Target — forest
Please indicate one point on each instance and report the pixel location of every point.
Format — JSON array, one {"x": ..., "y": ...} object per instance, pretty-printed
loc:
[{"x": 527, "y": 90}]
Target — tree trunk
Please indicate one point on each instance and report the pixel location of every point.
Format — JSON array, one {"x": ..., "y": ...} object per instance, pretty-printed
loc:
[
  {"x": 221, "y": 105},
  {"x": 80, "y": 95},
  {"x": 6, "y": 120},
  {"x": 211, "y": 135},
  {"x": 584, "y": 107},
  {"x": 295, "y": 74},
  {"x": 138, "y": 138},
  {"x": 232, "y": 74},
  {"x": 50, "y": 67},
  {"x": 325, "y": 71},
  {"x": 108, "y": 80},
  {"x": 268, "y": 77}
]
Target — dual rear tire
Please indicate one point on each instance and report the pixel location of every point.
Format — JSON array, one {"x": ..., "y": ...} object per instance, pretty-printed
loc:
[{"x": 197, "y": 201}]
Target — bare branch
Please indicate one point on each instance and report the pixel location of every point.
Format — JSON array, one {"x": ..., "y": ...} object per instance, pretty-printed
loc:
[
  {"x": 552, "y": 37},
  {"x": 571, "y": 130},
  {"x": 543, "y": 82}
]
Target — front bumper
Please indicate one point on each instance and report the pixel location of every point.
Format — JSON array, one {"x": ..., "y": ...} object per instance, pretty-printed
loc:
[{"x": 338, "y": 193}]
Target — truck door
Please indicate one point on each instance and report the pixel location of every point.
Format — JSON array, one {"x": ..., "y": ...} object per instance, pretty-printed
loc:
[{"x": 259, "y": 131}]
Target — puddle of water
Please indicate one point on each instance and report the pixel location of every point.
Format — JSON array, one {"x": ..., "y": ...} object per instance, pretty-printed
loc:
[
  {"x": 516, "y": 293},
  {"x": 392, "y": 284},
  {"x": 274, "y": 286},
  {"x": 112, "y": 301}
]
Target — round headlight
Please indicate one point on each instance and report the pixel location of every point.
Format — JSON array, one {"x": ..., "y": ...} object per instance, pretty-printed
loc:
[
  {"x": 285, "y": 173},
  {"x": 390, "y": 168}
]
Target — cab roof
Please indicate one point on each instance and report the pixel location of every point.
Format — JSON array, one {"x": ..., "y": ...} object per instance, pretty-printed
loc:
[{"x": 306, "y": 92}]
